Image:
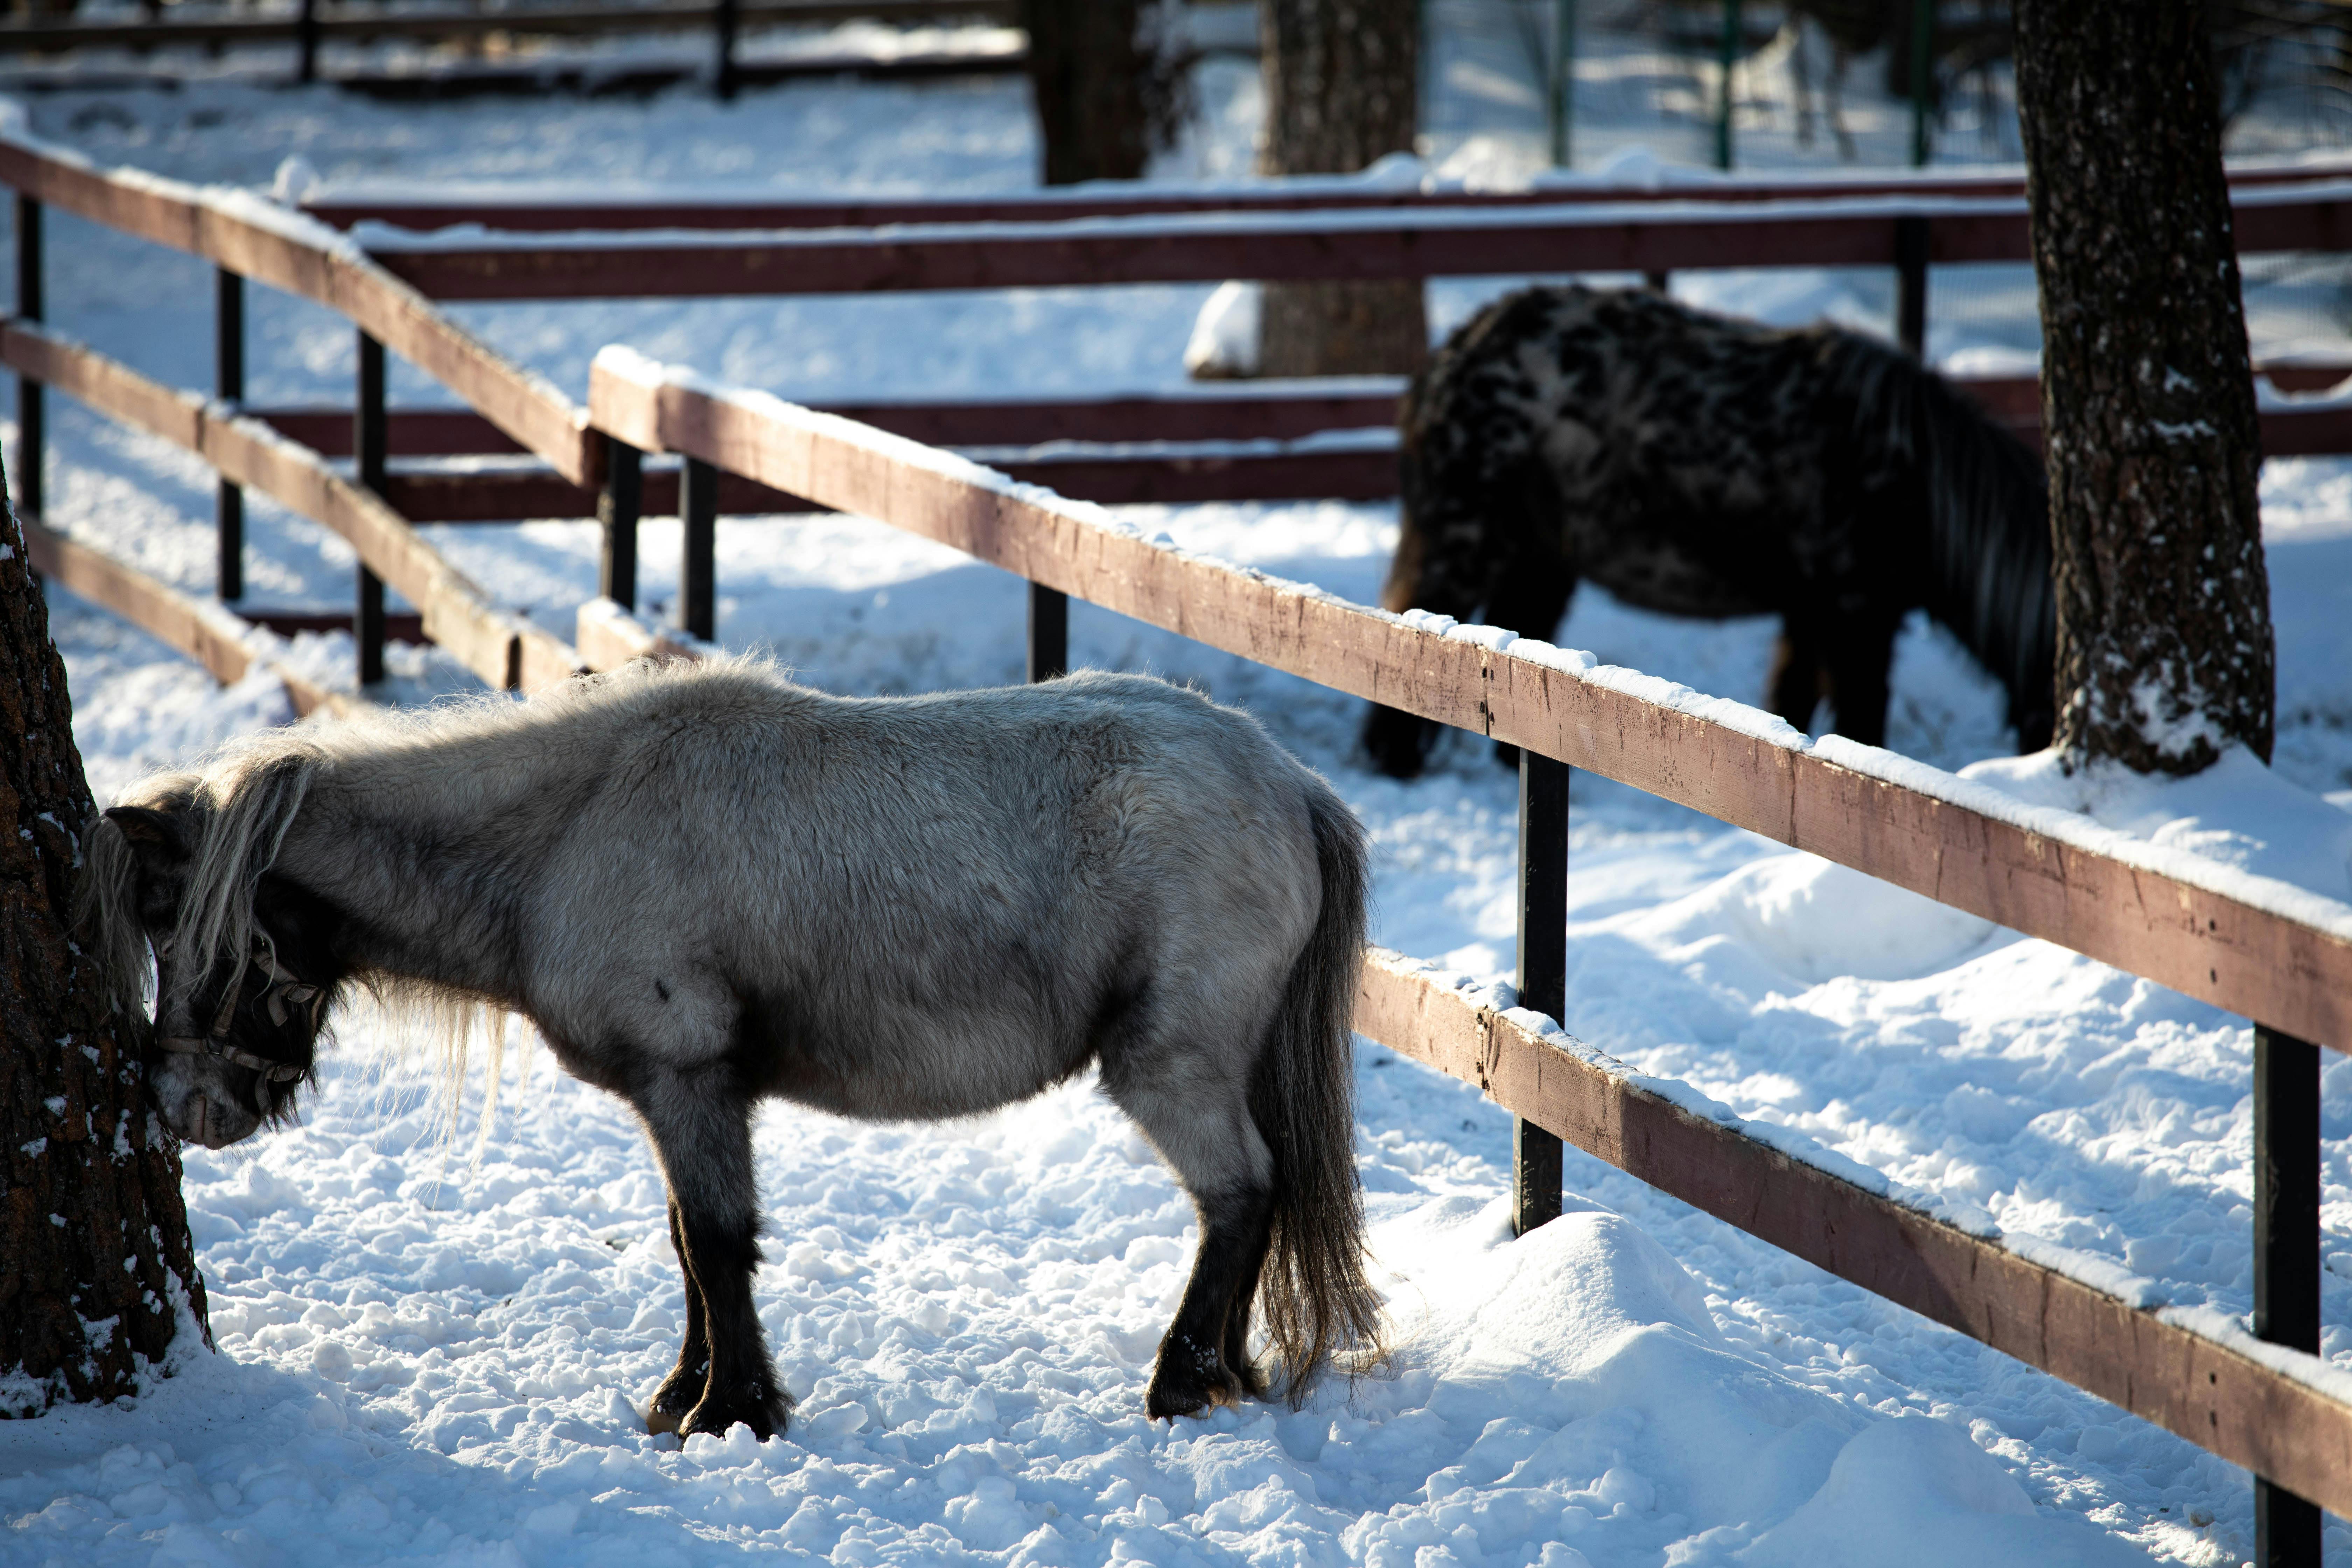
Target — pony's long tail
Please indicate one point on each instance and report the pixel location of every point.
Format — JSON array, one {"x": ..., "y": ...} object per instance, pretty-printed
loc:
[{"x": 1313, "y": 1294}]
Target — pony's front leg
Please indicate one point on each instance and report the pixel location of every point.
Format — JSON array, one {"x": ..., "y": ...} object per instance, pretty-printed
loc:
[
  {"x": 700, "y": 1122},
  {"x": 682, "y": 1389}
]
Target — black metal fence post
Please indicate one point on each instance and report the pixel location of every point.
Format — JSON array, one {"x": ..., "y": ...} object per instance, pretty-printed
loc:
[
  {"x": 697, "y": 577},
  {"x": 229, "y": 386},
  {"x": 1543, "y": 968},
  {"x": 619, "y": 505},
  {"x": 723, "y": 79},
  {"x": 2286, "y": 1257},
  {"x": 369, "y": 437},
  {"x": 1049, "y": 633},
  {"x": 31, "y": 442},
  {"x": 1911, "y": 284},
  {"x": 307, "y": 42}
]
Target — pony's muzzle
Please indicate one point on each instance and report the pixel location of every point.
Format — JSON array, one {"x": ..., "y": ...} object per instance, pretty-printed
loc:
[{"x": 215, "y": 1126}]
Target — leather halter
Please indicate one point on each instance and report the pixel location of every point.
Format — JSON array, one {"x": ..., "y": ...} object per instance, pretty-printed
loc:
[{"x": 281, "y": 990}]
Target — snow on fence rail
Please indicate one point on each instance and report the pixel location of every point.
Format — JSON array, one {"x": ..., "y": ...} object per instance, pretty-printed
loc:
[
  {"x": 2255, "y": 946},
  {"x": 2248, "y": 944}
]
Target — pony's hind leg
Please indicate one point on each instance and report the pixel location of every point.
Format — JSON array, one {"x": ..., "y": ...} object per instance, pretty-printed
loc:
[
  {"x": 1204, "y": 1357},
  {"x": 700, "y": 1122},
  {"x": 1196, "y": 1116},
  {"x": 682, "y": 1389}
]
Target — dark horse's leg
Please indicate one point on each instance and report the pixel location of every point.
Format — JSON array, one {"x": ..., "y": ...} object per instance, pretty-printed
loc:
[
  {"x": 682, "y": 1389},
  {"x": 700, "y": 1122},
  {"x": 1857, "y": 654},
  {"x": 1800, "y": 676},
  {"x": 1530, "y": 597}
]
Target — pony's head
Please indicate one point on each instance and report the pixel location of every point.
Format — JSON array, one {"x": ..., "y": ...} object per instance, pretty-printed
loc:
[{"x": 243, "y": 967}]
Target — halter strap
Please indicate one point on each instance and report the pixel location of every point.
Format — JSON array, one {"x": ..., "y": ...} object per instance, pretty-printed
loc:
[{"x": 279, "y": 990}]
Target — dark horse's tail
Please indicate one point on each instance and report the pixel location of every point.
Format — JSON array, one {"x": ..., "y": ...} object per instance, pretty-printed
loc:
[
  {"x": 1312, "y": 1293},
  {"x": 1987, "y": 514}
]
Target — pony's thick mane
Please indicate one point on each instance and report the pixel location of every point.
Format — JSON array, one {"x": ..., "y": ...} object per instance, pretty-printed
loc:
[
  {"x": 238, "y": 809},
  {"x": 1987, "y": 512}
]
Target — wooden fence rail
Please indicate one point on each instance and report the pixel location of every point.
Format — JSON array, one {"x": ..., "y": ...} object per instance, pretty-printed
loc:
[
  {"x": 361, "y": 24},
  {"x": 1335, "y": 244},
  {"x": 1118, "y": 198},
  {"x": 503, "y": 650},
  {"x": 253, "y": 239}
]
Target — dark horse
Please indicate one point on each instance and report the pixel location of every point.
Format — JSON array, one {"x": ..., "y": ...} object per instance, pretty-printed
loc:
[
  {"x": 1699, "y": 466},
  {"x": 708, "y": 886}
]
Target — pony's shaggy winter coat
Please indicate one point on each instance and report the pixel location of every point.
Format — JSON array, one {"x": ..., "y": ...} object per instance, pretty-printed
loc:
[
  {"x": 1700, "y": 465},
  {"x": 706, "y": 886}
]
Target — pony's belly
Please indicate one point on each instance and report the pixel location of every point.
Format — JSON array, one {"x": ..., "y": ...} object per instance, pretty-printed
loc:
[
  {"x": 876, "y": 1069},
  {"x": 1663, "y": 577}
]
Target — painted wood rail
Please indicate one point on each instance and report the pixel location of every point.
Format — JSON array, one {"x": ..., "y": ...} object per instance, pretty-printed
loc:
[
  {"x": 255, "y": 240},
  {"x": 502, "y": 649}
]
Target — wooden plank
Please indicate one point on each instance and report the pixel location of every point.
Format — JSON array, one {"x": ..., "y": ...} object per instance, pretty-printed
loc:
[
  {"x": 364, "y": 23},
  {"x": 2205, "y": 944},
  {"x": 1114, "y": 199},
  {"x": 1144, "y": 251},
  {"x": 1387, "y": 244},
  {"x": 204, "y": 631},
  {"x": 2198, "y": 1388},
  {"x": 608, "y": 637},
  {"x": 410, "y": 432},
  {"x": 1280, "y": 411},
  {"x": 502, "y": 649},
  {"x": 197, "y": 627},
  {"x": 1276, "y": 411},
  {"x": 525, "y": 407}
]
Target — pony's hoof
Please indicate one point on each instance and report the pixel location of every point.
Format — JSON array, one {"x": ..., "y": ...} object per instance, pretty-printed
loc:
[
  {"x": 658, "y": 1421},
  {"x": 764, "y": 1410},
  {"x": 1189, "y": 1381}
]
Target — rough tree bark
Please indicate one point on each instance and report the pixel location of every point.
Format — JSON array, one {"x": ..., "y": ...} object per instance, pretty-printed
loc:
[
  {"x": 98, "y": 1277},
  {"x": 2147, "y": 403},
  {"x": 1107, "y": 83},
  {"x": 1342, "y": 83}
]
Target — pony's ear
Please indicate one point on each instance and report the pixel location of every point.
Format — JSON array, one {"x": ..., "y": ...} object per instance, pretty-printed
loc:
[{"x": 156, "y": 837}]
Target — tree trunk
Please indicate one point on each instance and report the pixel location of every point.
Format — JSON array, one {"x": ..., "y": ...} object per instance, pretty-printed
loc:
[
  {"x": 2148, "y": 401},
  {"x": 99, "y": 1278},
  {"x": 1342, "y": 86},
  {"x": 1089, "y": 72}
]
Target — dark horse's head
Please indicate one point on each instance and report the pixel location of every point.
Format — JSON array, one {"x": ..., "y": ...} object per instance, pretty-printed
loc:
[{"x": 244, "y": 966}]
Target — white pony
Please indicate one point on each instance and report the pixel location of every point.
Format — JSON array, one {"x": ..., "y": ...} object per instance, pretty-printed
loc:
[{"x": 706, "y": 885}]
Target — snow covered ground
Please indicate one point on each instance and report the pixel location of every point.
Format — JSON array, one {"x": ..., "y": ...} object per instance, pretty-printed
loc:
[{"x": 431, "y": 1356}]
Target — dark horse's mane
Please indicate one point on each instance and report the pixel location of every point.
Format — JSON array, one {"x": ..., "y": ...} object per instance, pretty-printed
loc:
[{"x": 1988, "y": 566}]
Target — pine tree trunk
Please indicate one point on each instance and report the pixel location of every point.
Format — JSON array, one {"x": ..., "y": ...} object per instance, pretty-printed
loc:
[
  {"x": 2147, "y": 403},
  {"x": 1087, "y": 70},
  {"x": 1342, "y": 86},
  {"x": 98, "y": 1277}
]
